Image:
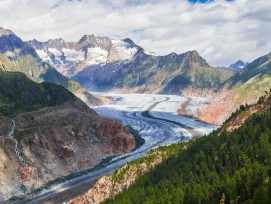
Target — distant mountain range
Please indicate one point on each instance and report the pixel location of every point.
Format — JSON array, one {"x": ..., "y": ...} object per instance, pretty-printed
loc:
[
  {"x": 69, "y": 58},
  {"x": 104, "y": 64},
  {"x": 16, "y": 55},
  {"x": 239, "y": 65}
]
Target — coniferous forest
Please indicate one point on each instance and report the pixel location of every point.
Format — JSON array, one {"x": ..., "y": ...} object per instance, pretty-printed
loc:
[{"x": 224, "y": 167}]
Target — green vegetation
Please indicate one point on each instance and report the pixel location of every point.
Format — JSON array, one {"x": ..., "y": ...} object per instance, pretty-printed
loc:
[
  {"x": 211, "y": 78},
  {"x": 224, "y": 167},
  {"x": 19, "y": 94},
  {"x": 253, "y": 89},
  {"x": 259, "y": 69},
  {"x": 153, "y": 158},
  {"x": 36, "y": 70},
  {"x": 169, "y": 74}
]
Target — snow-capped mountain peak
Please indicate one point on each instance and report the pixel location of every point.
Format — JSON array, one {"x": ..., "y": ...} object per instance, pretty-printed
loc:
[
  {"x": 4, "y": 31},
  {"x": 72, "y": 57},
  {"x": 237, "y": 66}
]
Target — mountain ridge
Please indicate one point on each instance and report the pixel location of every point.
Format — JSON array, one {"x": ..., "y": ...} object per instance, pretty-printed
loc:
[
  {"x": 104, "y": 64},
  {"x": 19, "y": 56}
]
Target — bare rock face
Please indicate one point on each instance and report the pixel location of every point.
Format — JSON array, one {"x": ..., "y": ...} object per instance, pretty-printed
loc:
[
  {"x": 57, "y": 141},
  {"x": 28, "y": 173},
  {"x": 4, "y": 31}
]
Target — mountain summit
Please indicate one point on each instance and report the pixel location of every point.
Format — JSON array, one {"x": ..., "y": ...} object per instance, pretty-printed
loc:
[
  {"x": 106, "y": 64},
  {"x": 239, "y": 65},
  {"x": 17, "y": 55},
  {"x": 69, "y": 58},
  {"x": 4, "y": 31}
]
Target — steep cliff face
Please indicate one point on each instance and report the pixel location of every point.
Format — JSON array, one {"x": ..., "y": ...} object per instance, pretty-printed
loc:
[
  {"x": 55, "y": 134},
  {"x": 57, "y": 141}
]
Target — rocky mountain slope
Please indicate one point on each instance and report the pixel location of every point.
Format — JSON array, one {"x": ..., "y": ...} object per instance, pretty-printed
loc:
[
  {"x": 104, "y": 64},
  {"x": 16, "y": 55},
  {"x": 72, "y": 57},
  {"x": 19, "y": 56},
  {"x": 245, "y": 87},
  {"x": 55, "y": 134}
]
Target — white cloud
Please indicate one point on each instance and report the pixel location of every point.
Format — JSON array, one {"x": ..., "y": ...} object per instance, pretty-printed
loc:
[{"x": 222, "y": 32}]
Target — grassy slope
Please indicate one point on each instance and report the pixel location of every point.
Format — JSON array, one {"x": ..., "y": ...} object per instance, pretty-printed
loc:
[
  {"x": 253, "y": 89},
  {"x": 37, "y": 71},
  {"x": 254, "y": 80}
]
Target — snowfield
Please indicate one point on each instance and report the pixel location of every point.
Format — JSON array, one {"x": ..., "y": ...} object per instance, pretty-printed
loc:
[{"x": 123, "y": 49}]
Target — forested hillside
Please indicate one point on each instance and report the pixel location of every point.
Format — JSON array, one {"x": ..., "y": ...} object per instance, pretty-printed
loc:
[
  {"x": 20, "y": 94},
  {"x": 225, "y": 167}
]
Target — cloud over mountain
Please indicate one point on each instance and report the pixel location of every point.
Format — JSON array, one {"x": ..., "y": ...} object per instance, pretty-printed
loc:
[{"x": 221, "y": 31}]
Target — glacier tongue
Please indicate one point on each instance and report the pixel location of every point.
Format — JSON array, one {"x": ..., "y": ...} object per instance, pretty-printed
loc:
[{"x": 154, "y": 117}]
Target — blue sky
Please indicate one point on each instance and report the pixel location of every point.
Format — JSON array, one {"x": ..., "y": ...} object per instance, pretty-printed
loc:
[
  {"x": 203, "y": 1},
  {"x": 221, "y": 31}
]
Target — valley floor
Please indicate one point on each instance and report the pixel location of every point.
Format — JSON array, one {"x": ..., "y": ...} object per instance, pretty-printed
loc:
[{"x": 153, "y": 117}]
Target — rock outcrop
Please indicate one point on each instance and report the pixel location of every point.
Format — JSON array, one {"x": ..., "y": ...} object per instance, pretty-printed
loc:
[{"x": 110, "y": 186}]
